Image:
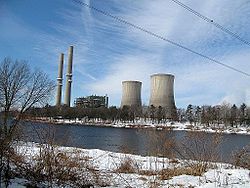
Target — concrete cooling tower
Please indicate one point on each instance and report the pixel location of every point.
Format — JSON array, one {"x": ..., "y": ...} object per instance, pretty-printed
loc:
[
  {"x": 162, "y": 91},
  {"x": 131, "y": 93}
]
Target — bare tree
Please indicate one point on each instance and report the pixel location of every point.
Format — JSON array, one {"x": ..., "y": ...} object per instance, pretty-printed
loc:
[{"x": 20, "y": 89}]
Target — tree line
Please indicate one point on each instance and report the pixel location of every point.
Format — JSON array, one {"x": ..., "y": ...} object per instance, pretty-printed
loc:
[
  {"x": 227, "y": 114},
  {"x": 207, "y": 115}
]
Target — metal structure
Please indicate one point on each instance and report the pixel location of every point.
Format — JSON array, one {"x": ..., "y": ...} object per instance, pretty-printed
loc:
[
  {"x": 131, "y": 93},
  {"x": 69, "y": 78},
  {"x": 59, "y": 81},
  {"x": 162, "y": 92},
  {"x": 92, "y": 101}
]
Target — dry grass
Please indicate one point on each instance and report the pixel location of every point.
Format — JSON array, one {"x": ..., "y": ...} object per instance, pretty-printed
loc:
[
  {"x": 242, "y": 158},
  {"x": 127, "y": 165},
  {"x": 167, "y": 174},
  {"x": 174, "y": 161},
  {"x": 148, "y": 172},
  {"x": 54, "y": 167}
]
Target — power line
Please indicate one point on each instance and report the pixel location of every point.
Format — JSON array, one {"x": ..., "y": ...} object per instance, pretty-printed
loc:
[
  {"x": 211, "y": 21},
  {"x": 159, "y": 37}
]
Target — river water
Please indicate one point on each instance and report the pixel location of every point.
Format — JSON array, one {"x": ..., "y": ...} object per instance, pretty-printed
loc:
[{"x": 136, "y": 141}]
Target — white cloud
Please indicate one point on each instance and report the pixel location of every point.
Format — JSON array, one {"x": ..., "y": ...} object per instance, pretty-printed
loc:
[
  {"x": 209, "y": 83},
  {"x": 174, "y": 22},
  {"x": 126, "y": 68},
  {"x": 198, "y": 81},
  {"x": 134, "y": 55}
]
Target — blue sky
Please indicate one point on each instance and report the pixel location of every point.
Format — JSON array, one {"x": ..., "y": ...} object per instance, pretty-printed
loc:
[{"x": 108, "y": 52}]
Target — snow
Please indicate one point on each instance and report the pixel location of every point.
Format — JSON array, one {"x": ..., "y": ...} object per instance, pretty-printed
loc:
[
  {"x": 141, "y": 123},
  {"x": 224, "y": 175},
  {"x": 214, "y": 178}
]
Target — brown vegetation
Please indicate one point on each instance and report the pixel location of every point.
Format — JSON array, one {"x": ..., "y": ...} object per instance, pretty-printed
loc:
[
  {"x": 20, "y": 89},
  {"x": 127, "y": 165},
  {"x": 169, "y": 173},
  {"x": 52, "y": 166},
  {"x": 242, "y": 158},
  {"x": 200, "y": 149}
]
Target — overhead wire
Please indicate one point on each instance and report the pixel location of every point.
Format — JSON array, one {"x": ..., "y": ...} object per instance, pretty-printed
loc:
[
  {"x": 159, "y": 37},
  {"x": 212, "y": 21}
]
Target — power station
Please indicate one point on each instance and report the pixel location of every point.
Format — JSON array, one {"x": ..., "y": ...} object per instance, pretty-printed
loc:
[
  {"x": 162, "y": 93},
  {"x": 59, "y": 81},
  {"x": 92, "y": 101},
  {"x": 67, "y": 96},
  {"x": 131, "y": 93},
  {"x": 69, "y": 78},
  {"x": 162, "y": 90}
]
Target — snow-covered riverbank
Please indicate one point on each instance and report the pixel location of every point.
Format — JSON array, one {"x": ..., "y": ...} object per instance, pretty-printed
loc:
[
  {"x": 147, "y": 169},
  {"x": 240, "y": 129}
]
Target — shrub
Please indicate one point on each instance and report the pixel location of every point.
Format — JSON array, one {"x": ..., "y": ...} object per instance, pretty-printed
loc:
[
  {"x": 242, "y": 158},
  {"x": 52, "y": 166},
  {"x": 127, "y": 165}
]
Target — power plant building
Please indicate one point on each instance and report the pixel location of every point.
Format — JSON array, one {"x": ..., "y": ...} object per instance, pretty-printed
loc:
[
  {"x": 131, "y": 93},
  {"x": 69, "y": 78},
  {"x": 67, "y": 95},
  {"x": 92, "y": 101},
  {"x": 162, "y": 92},
  {"x": 59, "y": 81}
]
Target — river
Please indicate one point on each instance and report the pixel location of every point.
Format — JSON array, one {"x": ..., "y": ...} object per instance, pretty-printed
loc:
[{"x": 136, "y": 141}]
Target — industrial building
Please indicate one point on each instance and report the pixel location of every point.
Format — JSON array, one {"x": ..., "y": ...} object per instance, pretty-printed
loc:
[
  {"x": 59, "y": 81},
  {"x": 131, "y": 93},
  {"x": 68, "y": 79},
  {"x": 162, "y": 93},
  {"x": 92, "y": 101}
]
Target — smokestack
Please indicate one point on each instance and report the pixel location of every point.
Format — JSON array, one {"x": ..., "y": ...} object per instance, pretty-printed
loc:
[
  {"x": 59, "y": 81},
  {"x": 131, "y": 93},
  {"x": 69, "y": 77},
  {"x": 162, "y": 93}
]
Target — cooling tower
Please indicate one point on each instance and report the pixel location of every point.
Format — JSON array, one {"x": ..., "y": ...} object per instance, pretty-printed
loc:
[
  {"x": 162, "y": 92},
  {"x": 69, "y": 78},
  {"x": 131, "y": 93},
  {"x": 59, "y": 81}
]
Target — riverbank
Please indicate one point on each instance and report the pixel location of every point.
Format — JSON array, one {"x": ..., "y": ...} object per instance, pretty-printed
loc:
[
  {"x": 127, "y": 170},
  {"x": 140, "y": 124}
]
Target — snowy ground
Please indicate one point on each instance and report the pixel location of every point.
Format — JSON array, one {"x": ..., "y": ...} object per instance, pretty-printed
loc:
[
  {"x": 169, "y": 125},
  {"x": 223, "y": 175}
]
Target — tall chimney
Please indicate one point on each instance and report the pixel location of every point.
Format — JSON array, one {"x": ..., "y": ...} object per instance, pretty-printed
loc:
[
  {"x": 69, "y": 77},
  {"x": 59, "y": 81}
]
